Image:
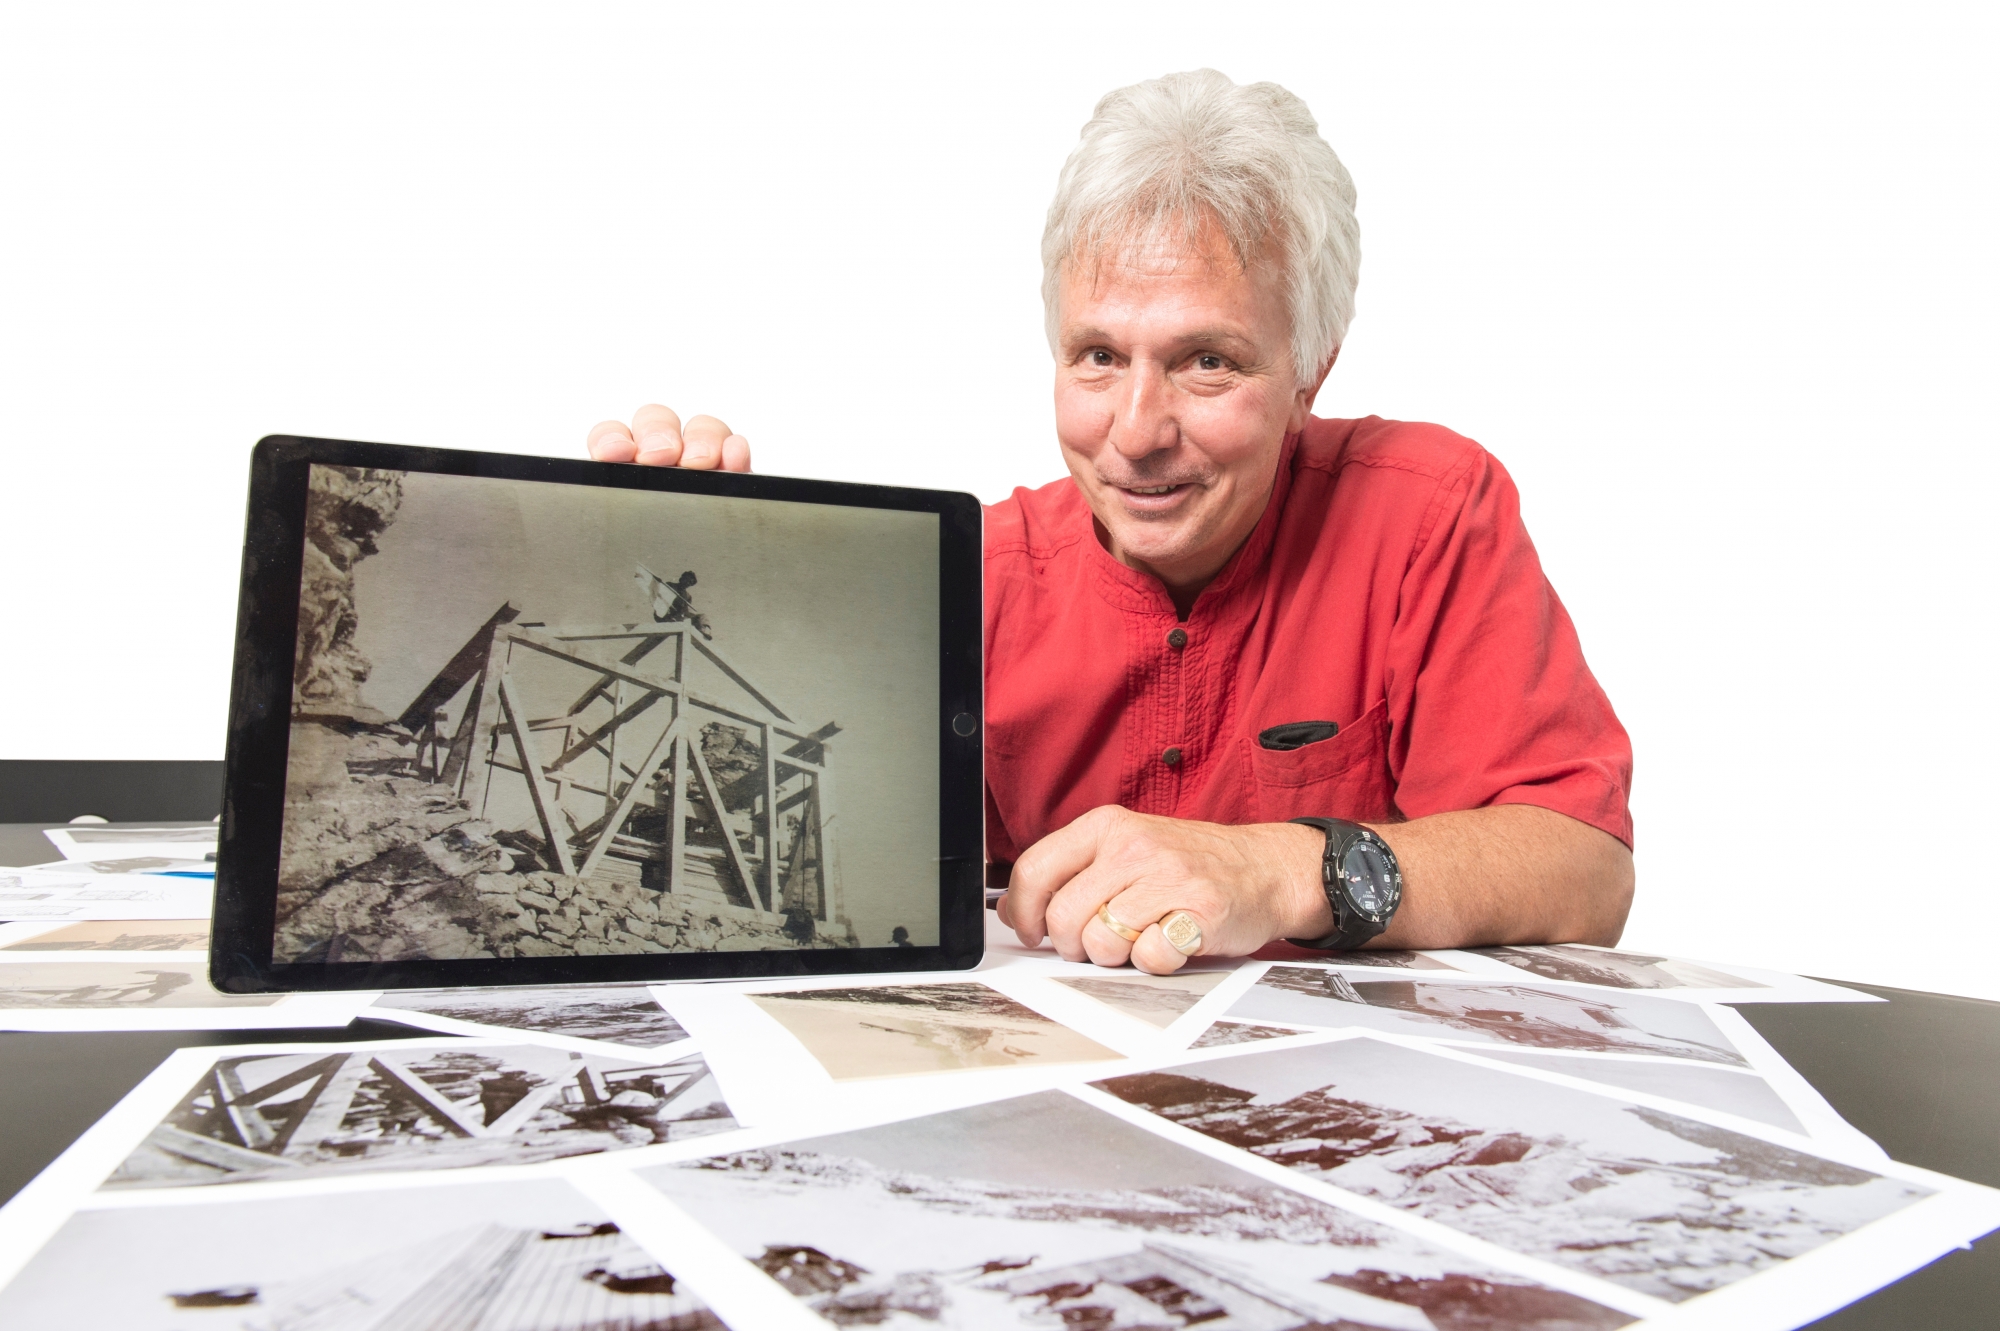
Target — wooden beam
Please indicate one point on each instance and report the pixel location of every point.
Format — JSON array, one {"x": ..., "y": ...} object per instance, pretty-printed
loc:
[
  {"x": 714, "y": 791},
  {"x": 467, "y": 663},
  {"x": 608, "y": 729},
  {"x": 517, "y": 722},
  {"x": 448, "y": 1115},
  {"x": 523, "y": 1109},
  {"x": 654, "y": 756},
  {"x": 213, "y": 1153},
  {"x": 677, "y": 815},
  {"x": 562, "y": 651},
  {"x": 771, "y": 818},
  {"x": 739, "y": 680}
]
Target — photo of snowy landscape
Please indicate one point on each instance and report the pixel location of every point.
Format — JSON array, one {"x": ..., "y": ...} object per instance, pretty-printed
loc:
[
  {"x": 969, "y": 1219},
  {"x": 1653, "y": 1201},
  {"x": 1486, "y": 1013}
]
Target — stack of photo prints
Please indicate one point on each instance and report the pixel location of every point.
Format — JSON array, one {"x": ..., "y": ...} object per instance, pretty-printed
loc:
[{"x": 1543, "y": 1138}]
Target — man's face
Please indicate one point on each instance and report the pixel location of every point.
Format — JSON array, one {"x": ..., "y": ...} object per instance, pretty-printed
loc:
[{"x": 1174, "y": 393}]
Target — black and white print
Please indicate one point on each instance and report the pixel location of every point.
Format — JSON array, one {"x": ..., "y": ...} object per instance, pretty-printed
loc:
[
  {"x": 1157, "y": 1000},
  {"x": 620, "y": 1014},
  {"x": 912, "y": 1029},
  {"x": 1488, "y": 1013},
  {"x": 1661, "y": 1204},
  {"x": 544, "y": 720},
  {"x": 1580, "y": 964},
  {"x": 343, "y": 1111},
  {"x": 519, "y": 1256},
  {"x": 968, "y": 1219}
]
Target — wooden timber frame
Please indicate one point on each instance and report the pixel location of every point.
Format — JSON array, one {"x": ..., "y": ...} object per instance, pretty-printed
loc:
[{"x": 609, "y": 795}]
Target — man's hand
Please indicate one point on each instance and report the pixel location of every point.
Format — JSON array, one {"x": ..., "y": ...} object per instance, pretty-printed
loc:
[
  {"x": 1244, "y": 886},
  {"x": 656, "y": 438},
  {"x": 1513, "y": 873}
]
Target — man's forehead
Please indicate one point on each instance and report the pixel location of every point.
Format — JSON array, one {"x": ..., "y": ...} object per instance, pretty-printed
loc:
[{"x": 1183, "y": 289}]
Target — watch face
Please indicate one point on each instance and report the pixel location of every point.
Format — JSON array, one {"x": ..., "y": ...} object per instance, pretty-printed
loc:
[{"x": 1370, "y": 877}]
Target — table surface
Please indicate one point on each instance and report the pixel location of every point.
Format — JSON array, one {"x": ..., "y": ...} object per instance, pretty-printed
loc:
[{"x": 1919, "y": 1073}]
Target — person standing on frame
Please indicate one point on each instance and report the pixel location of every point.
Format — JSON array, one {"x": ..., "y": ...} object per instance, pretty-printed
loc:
[{"x": 1234, "y": 614}]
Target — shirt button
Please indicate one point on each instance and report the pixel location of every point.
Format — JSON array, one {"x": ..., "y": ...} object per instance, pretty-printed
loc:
[
  {"x": 1172, "y": 757},
  {"x": 1177, "y": 639}
]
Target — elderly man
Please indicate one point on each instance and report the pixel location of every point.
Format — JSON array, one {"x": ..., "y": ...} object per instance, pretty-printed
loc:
[{"x": 1235, "y": 615}]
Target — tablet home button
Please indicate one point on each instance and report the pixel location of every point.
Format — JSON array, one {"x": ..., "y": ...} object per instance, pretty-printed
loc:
[{"x": 964, "y": 724}]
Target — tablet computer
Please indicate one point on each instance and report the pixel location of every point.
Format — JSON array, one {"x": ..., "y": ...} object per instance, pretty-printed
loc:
[{"x": 515, "y": 720}]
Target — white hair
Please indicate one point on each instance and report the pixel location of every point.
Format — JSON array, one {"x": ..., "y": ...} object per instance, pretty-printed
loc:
[{"x": 1170, "y": 156}]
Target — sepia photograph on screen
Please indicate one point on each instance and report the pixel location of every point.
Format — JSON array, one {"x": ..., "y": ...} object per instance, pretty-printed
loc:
[{"x": 536, "y": 720}]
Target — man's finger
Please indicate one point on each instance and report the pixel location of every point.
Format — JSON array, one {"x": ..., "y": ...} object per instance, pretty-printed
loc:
[
  {"x": 701, "y": 443},
  {"x": 1103, "y": 947},
  {"x": 657, "y": 430},
  {"x": 736, "y": 453},
  {"x": 1155, "y": 955},
  {"x": 610, "y": 441},
  {"x": 1043, "y": 869}
]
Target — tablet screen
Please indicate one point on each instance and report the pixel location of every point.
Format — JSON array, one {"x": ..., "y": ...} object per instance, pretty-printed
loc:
[{"x": 533, "y": 719}]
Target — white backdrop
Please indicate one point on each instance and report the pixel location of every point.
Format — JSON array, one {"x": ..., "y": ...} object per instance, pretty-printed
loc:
[{"x": 1717, "y": 285}]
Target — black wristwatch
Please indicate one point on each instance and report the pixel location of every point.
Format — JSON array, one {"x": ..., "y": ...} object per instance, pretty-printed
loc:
[{"x": 1362, "y": 882}]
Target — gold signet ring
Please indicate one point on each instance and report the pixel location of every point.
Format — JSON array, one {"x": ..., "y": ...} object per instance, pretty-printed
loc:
[
  {"x": 1110, "y": 921},
  {"x": 1182, "y": 931}
]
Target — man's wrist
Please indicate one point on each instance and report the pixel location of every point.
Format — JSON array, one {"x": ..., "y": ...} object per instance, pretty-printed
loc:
[{"x": 1309, "y": 914}]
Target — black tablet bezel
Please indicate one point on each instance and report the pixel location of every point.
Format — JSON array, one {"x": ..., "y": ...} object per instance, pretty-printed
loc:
[{"x": 260, "y": 705}]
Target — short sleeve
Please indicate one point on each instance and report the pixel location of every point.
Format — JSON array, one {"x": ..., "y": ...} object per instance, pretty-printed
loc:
[{"x": 1490, "y": 700}]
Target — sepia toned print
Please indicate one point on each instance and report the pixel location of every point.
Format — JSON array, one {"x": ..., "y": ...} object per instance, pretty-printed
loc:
[
  {"x": 87, "y": 985},
  {"x": 623, "y": 1014},
  {"x": 1730, "y": 1090},
  {"x": 545, "y": 720},
  {"x": 119, "y": 936},
  {"x": 1484, "y": 1013},
  {"x": 1237, "y": 1032},
  {"x": 1616, "y": 970},
  {"x": 306, "y": 1115},
  {"x": 1661, "y": 1204},
  {"x": 1390, "y": 958},
  {"x": 1154, "y": 999},
  {"x": 969, "y": 1219},
  {"x": 908, "y": 1030},
  {"x": 520, "y": 1256}
]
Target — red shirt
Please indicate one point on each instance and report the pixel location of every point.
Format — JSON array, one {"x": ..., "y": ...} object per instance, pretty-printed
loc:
[{"x": 1390, "y": 587}]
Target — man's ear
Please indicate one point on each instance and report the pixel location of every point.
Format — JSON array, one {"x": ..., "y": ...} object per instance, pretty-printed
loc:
[{"x": 1302, "y": 402}]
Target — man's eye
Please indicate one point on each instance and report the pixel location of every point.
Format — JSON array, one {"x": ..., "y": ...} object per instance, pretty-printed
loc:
[
  {"x": 1100, "y": 358},
  {"x": 1208, "y": 362}
]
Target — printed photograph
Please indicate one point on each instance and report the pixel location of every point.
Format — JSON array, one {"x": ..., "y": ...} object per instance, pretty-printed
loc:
[
  {"x": 549, "y": 720},
  {"x": 119, "y": 936},
  {"x": 1730, "y": 1090},
  {"x": 1391, "y": 957},
  {"x": 317, "y": 1114},
  {"x": 1237, "y": 1032},
  {"x": 1661, "y": 1204},
  {"x": 1043, "y": 1212},
  {"x": 82, "y": 985},
  {"x": 1581, "y": 964},
  {"x": 621, "y": 1014},
  {"x": 1156, "y": 1000},
  {"x": 912, "y": 1029},
  {"x": 521, "y": 1256},
  {"x": 1487, "y": 1013}
]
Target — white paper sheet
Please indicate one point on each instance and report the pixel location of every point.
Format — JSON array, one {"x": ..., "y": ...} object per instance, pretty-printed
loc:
[
  {"x": 621, "y": 1019},
  {"x": 58, "y": 893},
  {"x": 86, "y": 841},
  {"x": 148, "y": 991}
]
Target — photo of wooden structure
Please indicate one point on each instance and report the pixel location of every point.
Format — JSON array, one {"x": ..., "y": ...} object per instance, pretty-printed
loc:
[{"x": 644, "y": 756}]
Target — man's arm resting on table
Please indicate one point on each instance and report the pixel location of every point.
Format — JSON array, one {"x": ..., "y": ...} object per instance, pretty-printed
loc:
[{"x": 1513, "y": 873}]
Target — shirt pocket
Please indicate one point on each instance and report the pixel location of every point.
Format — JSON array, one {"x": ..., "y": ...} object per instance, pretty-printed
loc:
[{"x": 1346, "y": 776}]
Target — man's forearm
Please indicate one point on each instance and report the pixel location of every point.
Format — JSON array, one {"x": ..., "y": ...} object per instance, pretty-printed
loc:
[{"x": 1514, "y": 873}]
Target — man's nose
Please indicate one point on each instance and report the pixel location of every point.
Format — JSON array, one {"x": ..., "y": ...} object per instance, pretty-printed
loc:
[{"x": 1145, "y": 421}]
